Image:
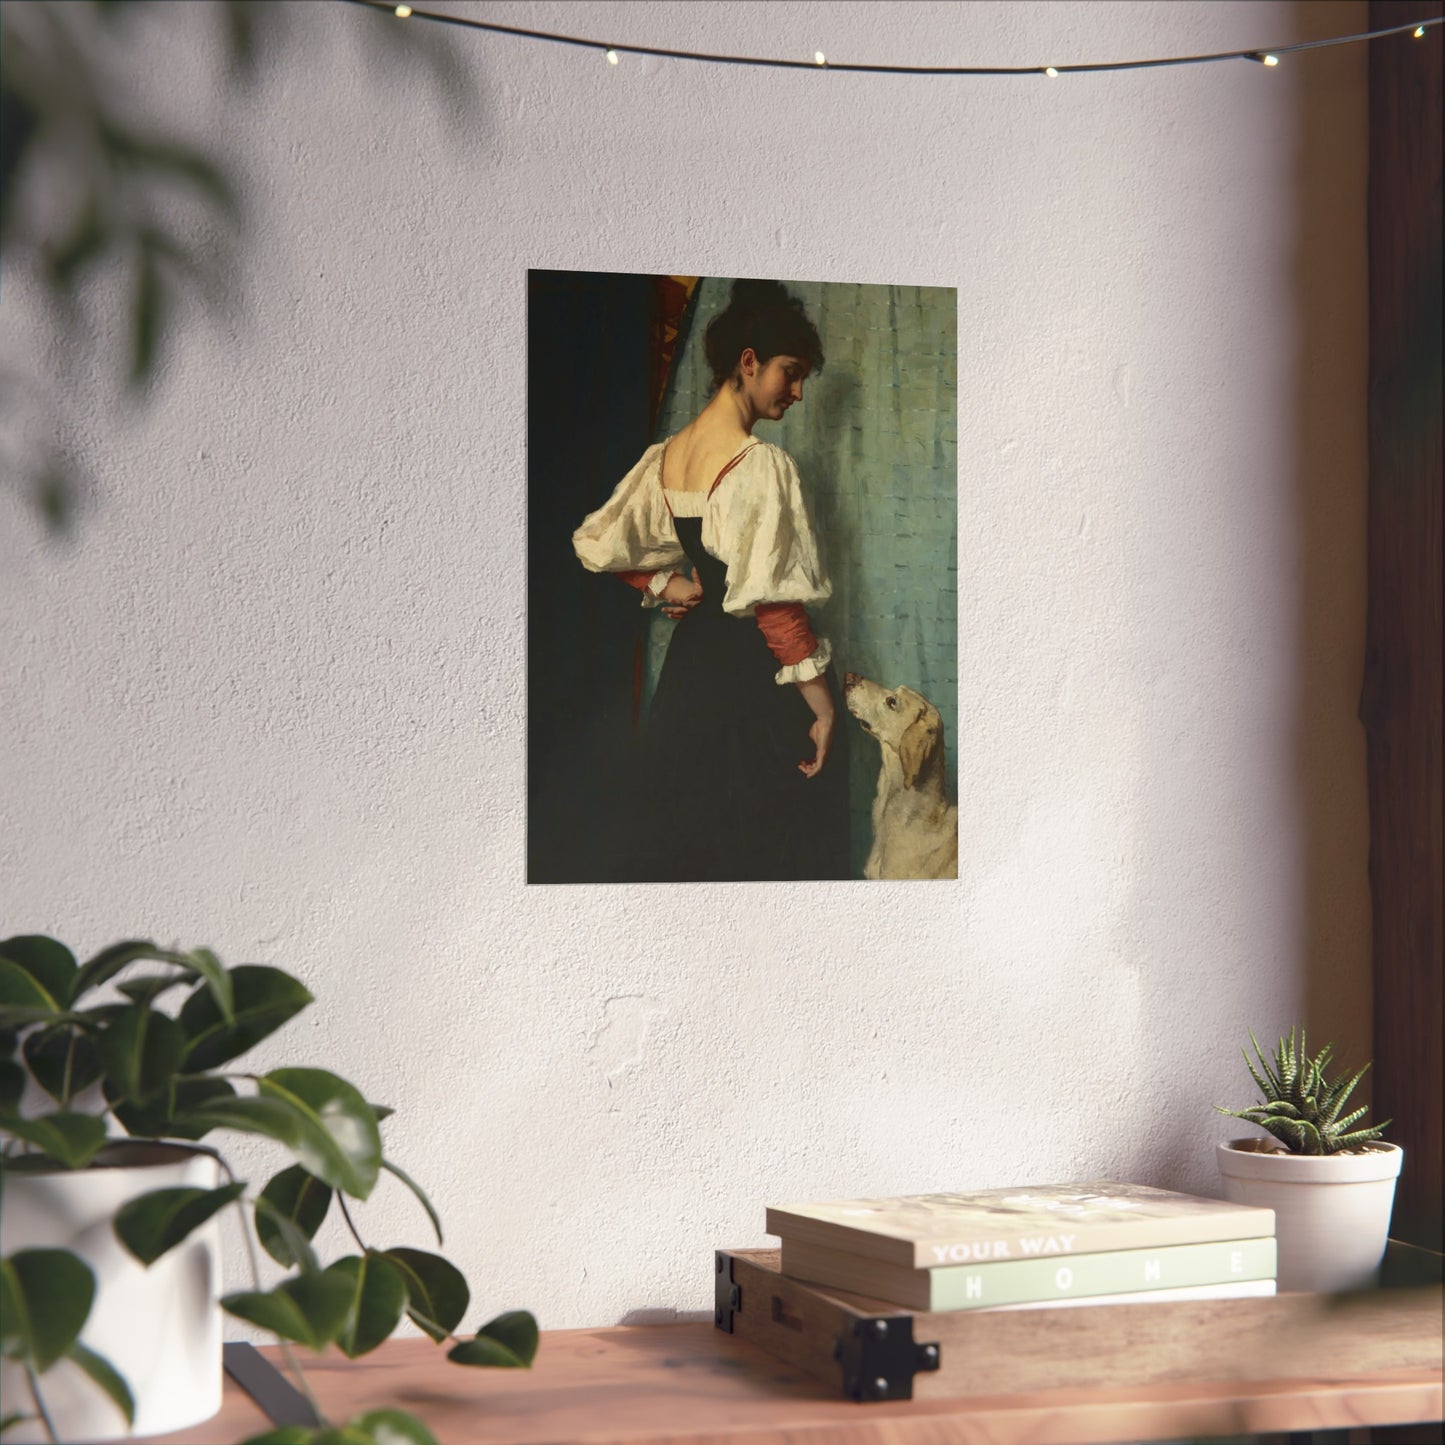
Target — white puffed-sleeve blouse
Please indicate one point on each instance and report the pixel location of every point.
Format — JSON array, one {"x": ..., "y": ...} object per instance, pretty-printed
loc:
[{"x": 754, "y": 519}]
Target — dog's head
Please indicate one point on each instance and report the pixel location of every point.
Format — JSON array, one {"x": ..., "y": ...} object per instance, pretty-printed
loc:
[{"x": 900, "y": 719}]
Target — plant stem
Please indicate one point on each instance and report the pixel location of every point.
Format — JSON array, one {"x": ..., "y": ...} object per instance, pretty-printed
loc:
[
  {"x": 39, "y": 1403},
  {"x": 69, "y": 1072},
  {"x": 291, "y": 1361},
  {"x": 346, "y": 1215}
]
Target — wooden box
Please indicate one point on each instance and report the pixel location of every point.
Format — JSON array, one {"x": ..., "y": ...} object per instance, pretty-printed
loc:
[{"x": 870, "y": 1350}]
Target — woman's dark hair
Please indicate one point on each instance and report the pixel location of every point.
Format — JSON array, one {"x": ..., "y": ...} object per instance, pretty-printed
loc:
[{"x": 765, "y": 316}]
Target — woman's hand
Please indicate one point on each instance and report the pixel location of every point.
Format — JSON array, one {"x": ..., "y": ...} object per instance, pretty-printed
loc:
[
  {"x": 680, "y": 595},
  {"x": 815, "y": 693}
]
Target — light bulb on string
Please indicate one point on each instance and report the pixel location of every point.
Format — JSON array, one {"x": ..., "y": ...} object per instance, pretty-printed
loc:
[{"x": 1260, "y": 57}]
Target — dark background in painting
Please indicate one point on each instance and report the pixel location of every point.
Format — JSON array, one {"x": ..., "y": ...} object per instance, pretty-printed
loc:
[{"x": 588, "y": 421}]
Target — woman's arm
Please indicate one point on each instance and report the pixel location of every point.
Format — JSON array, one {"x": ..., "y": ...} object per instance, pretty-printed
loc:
[{"x": 816, "y": 695}]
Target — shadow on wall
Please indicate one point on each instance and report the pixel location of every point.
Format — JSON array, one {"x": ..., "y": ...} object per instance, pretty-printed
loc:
[
  {"x": 1290, "y": 760},
  {"x": 1331, "y": 307},
  {"x": 91, "y": 188}
]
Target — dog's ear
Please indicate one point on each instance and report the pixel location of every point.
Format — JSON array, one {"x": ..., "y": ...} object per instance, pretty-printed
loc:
[{"x": 917, "y": 744}]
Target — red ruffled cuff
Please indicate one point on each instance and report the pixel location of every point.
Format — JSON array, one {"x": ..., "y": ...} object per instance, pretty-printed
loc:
[
  {"x": 787, "y": 631},
  {"x": 639, "y": 580}
]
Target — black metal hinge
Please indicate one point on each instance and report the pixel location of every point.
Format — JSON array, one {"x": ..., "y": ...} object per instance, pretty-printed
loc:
[
  {"x": 880, "y": 1358},
  {"x": 727, "y": 1296}
]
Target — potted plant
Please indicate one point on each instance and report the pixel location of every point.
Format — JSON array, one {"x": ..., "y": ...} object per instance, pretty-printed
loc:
[
  {"x": 1331, "y": 1185},
  {"x": 112, "y": 1082}
]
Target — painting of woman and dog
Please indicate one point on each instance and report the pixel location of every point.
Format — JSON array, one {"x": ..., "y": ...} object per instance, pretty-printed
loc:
[{"x": 756, "y": 483}]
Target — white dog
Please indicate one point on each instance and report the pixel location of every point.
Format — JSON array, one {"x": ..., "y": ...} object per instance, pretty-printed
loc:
[{"x": 915, "y": 827}]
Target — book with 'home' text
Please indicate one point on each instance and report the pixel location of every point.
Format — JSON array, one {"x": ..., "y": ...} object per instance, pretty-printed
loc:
[{"x": 1035, "y": 1281}]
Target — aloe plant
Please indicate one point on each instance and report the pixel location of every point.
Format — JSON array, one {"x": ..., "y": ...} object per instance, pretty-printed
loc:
[
  {"x": 169, "y": 1074},
  {"x": 1302, "y": 1108}
]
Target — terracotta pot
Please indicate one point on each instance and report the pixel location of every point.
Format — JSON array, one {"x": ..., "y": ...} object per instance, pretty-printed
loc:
[
  {"x": 160, "y": 1327},
  {"x": 1331, "y": 1211}
]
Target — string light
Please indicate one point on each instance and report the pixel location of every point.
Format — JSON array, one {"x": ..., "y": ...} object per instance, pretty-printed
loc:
[
  {"x": 402, "y": 11},
  {"x": 1260, "y": 56}
]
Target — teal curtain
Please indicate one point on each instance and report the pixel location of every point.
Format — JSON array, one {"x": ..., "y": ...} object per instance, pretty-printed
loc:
[{"x": 876, "y": 442}]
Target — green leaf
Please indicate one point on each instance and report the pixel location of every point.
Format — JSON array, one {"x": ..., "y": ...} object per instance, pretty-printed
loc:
[
  {"x": 159, "y": 1118},
  {"x": 330, "y": 1142},
  {"x": 298, "y": 1197},
  {"x": 210, "y": 968},
  {"x": 104, "y": 1374},
  {"x": 416, "y": 1189},
  {"x": 63, "y": 1060},
  {"x": 12, "y": 1086},
  {"x": 1360, "y": 1136},
  {"x": 437, "y": 1293},
  {"x": 151, "y": 1224},
  {"x": 310, "y": 1310},
  {"x": 73, "y": 1139},
  {"x": 340, "y": 1143},
  {"x": 10, "y": 1421},
  {"x": 517, "y": 1331},
  {"x": 378, "y": 1296},
  {"x": 264, "y": 998},
  {"x": 23, "y": 999},
  {"x": 45, "y": 1299},
  {"x": 50, "y": 964},
  {"x": 109, "y": 962},
  {"x": 141, "y": 1051},
  {"x": 295, "y": 1243},
  {"x": 148, "y": 989},
  {"x": 269, "y": 1117},
  {"x": 187, "y": 1094},
  {"x": 507, "y": 1342},
  {"x": 14, "y": 1323},
  {"x": 392, "y": 1427},
  {"x": 382, "y": 1111}
]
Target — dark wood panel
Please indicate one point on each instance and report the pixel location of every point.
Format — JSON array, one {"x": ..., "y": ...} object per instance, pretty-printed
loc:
[{"x": 1400, "y": 704}]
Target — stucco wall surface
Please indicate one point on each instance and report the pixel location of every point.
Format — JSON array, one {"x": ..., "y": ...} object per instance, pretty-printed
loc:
[{"x": 269, "y": 696}]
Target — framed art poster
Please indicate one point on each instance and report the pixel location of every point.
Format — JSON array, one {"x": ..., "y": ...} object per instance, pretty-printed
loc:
[{"x": 742, "y": 580}]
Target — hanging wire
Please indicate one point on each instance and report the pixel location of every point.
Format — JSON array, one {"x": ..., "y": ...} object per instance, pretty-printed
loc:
[{"x": 1260, "y": 55}]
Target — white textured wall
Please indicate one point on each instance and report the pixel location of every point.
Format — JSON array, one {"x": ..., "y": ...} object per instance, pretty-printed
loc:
[{"x": 271, "y": 697}]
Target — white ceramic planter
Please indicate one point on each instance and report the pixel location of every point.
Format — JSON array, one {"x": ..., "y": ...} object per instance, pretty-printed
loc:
[
  {"x": 1331, "y": 1212},
  {"x": 160, "y": 1327}
]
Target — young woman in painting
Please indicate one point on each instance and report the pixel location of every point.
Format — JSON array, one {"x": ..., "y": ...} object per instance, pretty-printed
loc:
[{"x": 741, "y": 774}]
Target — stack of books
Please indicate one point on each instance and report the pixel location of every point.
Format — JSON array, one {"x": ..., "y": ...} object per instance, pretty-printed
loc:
[{"x": 1031, "y": 1247}]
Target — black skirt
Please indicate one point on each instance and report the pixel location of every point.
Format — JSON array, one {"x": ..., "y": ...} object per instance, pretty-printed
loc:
[{"x": 717, "y": 782}]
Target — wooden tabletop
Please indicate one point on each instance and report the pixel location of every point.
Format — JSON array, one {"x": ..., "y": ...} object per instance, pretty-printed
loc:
[{"x": 692, "y": 1384}]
